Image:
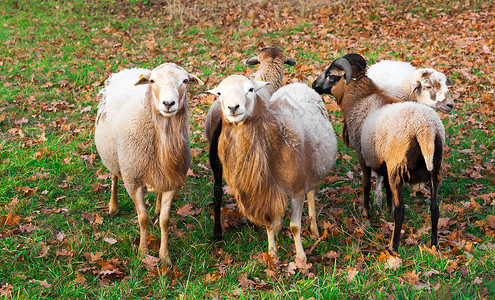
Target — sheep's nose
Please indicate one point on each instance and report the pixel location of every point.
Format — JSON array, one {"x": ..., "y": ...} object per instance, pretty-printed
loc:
[
  {"x": 450, "y": 105},
  {"x": 168, "y": 104},
  {"x": 233, "y": 108}
]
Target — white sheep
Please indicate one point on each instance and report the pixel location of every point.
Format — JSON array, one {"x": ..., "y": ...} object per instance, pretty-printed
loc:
[
  {"x": 271, "y": 61},
  {"x": 142, "y": 137},
  {"x": 271, "y": 150},
  {"x": 401, "y": 80},
  {"x": 402, "y": 141}
]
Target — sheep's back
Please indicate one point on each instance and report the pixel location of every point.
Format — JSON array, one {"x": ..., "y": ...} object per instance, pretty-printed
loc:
[
  {"x": 304, "y": 120},
  {"x": 392, "y": 76},
  {"x": 387, "y": 132}
]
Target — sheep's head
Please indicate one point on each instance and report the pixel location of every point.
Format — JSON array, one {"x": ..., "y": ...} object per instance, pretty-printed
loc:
[
  {"x": 237, "y": 94},
  {"x": 338, "y": 75},
  {"x": 168, "y": 87},
  {"x": 270, "y": 54},
  {"x": 432, "y": 88}
]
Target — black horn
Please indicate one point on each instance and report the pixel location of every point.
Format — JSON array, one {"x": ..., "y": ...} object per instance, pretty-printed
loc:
[{"x": 343, "y": 64}]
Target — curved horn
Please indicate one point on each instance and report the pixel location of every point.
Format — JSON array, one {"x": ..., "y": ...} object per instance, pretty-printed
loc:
[{"x": 343, "y": 64}]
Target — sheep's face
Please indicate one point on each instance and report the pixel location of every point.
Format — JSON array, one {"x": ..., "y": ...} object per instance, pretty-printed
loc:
[
  {"x": 168, "y": 87},
  {"x": 330, "y": 82},
  {"x": 432, "y": 89},
  {"x": 237, "y": 94}
]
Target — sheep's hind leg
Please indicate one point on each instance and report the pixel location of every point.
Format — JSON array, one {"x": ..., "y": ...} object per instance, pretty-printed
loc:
[
  {"x": 297, "y": 204},
  {"x": 270, "y": 232},
  {"x": 216, "y": 167},
  {"x": 378, "y": 191},
  {"x": 435, "y": 213},
  {"x": 313, "y": 228},
  {"x": 167, "y": 198},
  {"x": 158, "y": 206},
  {"x": 113, "y": 205},
  {"x": 365, "y": 210},
  {"x": 398, "y": 213}
]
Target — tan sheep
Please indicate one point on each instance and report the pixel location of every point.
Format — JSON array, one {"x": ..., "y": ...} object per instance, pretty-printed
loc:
[
  {"x": 271, "y": 150},
  {"x": 142, "y": 137}
]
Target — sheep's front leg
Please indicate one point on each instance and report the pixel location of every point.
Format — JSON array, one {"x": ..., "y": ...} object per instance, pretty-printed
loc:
[
  {"x": 313, "y": 228},
  {"x": 113, "y": 205},
  {"x": 297, "y": 204},
  {"x": 167, "y": 198},
  {"x": 137, "y": 195},
  {"x": 398, "y": 213},
  {"x": 378, "y": 191}
]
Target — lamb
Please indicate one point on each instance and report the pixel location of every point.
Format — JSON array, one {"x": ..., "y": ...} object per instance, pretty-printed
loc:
[
  {"x": 271, "y": 62},
  {"x": 142, "y": 137},
  {"x": 401, "y": 141},
  {"x": 271, "y": 150},
  {"x": 401, "y": 80}
]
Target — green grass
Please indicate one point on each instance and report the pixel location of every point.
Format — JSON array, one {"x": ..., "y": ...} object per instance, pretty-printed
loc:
[{"x": 55, "y": 57}]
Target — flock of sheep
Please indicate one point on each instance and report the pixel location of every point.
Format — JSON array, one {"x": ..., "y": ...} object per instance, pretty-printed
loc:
[{"x": 272, "y": 142}]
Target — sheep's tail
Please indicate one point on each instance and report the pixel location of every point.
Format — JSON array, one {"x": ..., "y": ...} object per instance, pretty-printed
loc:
[{"x": 426, "y": 141}]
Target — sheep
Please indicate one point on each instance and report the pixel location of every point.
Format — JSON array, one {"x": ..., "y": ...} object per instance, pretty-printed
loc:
[
  {"x": 401, "y": 80},
  {"x": 401, "y": 141},
  {"x": 271, "y": 150},
  {"x": 142, "y": 137},
  {"x": 271, "y": 62}
]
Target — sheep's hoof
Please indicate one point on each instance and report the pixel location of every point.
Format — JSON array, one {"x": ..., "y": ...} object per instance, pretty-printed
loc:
[
  {"x": 365, "y": 213},
  {"x": 314, "y": 234},
  {"x": 217, "y": 236}
]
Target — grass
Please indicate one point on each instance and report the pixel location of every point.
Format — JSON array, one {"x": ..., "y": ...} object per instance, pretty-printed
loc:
[{"x": 54, "y": 58}]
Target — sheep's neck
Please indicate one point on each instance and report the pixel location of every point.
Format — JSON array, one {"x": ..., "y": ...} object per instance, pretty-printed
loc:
[
  {"x": 171, "y": 145},
  {"x": 249, "y": 153},
  {"x": 271, "y": 70}
]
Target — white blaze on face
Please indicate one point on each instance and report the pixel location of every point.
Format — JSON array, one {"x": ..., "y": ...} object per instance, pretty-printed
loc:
[
  {"x": 431, "y": 87},
  {"x": 237, "y": 95},
  {"x": 168, "y": 86}
]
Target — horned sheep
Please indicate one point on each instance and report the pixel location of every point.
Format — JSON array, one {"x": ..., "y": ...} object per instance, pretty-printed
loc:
[
  {"x": 142, "y": 137},
  {"x": 401, "y": 141},
  {"x": 273, "y": 149},
  {"x": 271, "y": 61}
]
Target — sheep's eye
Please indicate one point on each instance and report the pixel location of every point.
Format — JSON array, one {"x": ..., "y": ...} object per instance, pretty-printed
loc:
[
  {"x": 185, "y": 80},
  {"x": 152, "y": 81},
  {"x": 219, "y": 94},
  {"x": 251, "y": 90},
  {"x": 428, "y": 86}
]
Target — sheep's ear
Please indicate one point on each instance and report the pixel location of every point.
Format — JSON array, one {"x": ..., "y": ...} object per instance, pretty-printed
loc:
[
  {"x": 214, "y": 91},
  {"x": 143, "y": 79},
  {"x": 415, "y": 86},
  {"x": 193, "y": 79},
  {"x": 449, "y": 83},
  {"x": 289, "y": 61},
  {"x": 260, "y": 84},
  {"x": 252, "y": 61}
]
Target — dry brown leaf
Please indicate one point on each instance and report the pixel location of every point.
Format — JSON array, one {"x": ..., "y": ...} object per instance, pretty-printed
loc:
[
  {"x": 412, "y": 277},
  {"x": 351, "y": 274},
  {"x": 393, "y": 263}
]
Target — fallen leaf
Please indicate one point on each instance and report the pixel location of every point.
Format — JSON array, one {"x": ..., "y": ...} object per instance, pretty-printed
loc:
[
  {"x": 43, "y": 283},
  {"x": 412, "y": 277},
  {"x": 393, "y": 263},
  {"x": 351, "y": 274},
  {"x": 212, "y": 278},
  {"x": 111, "y": 241}
]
